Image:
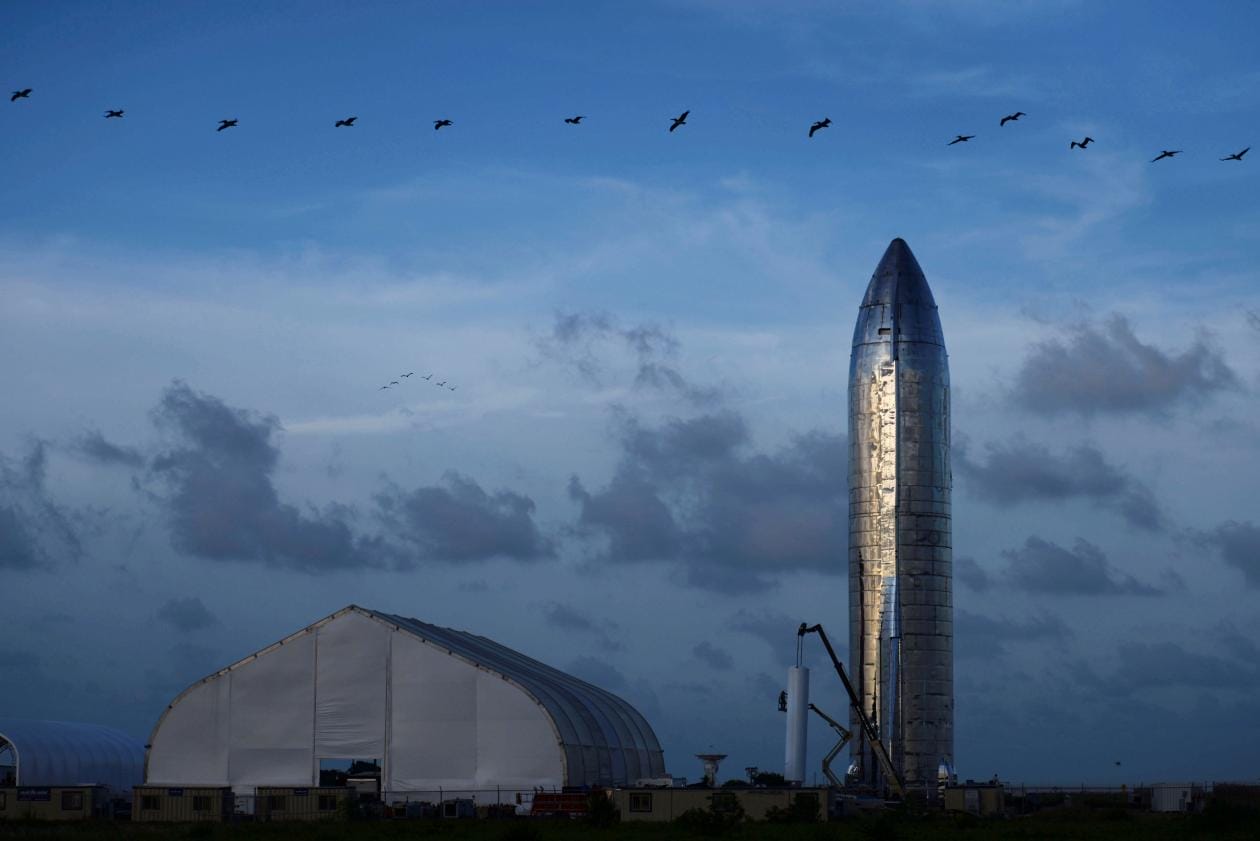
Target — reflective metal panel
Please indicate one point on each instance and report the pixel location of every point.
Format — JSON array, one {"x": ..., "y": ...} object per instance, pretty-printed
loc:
[{"x": 900, "y": 561}]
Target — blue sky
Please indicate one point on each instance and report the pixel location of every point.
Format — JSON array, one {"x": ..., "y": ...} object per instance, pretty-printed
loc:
[{"x": 610, "y": 292}]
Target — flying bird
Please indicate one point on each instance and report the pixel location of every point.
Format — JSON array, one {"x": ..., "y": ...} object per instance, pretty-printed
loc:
[
  {"x": 1166, "y": 154},
  {"x": 393, "y": 382},
  {"x": 820, "y": 124},
  {"x": 1011, "y": 117},
  {"x": 439, "y": 385},
  {"x": 1237, "y": 156},
  {"x": 348, "y": 122},
  {"x": 1082, "y": 144},
  {"x": 962, "y": 138},
  {"x": 382, "y": 388},
  {"x": 226, "y": 124},
  {"x": 428, "y": 377},
  {"x": 680, "y": 120},
  {"x": 573, "y": 121},
  {"x": 453, "y": 387},
  {"x": 406, "y": 375},
  {"x": 437, "y": 124},
  {"x": 22, "y": 94},
  {"x": 110, "y": 113}
]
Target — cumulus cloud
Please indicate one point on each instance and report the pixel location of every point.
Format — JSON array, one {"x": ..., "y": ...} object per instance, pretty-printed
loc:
[
  {"x": 1239, "y": 545},
  {"x": 1041, "y": 566},
  {"x": 583, "y": 342},
  {"x": 777, "y": 630},
  {"x": 571, "y": 619},
  {"x": 1107, "y": 369},
  {"x": 970, "y": 574},
  {"x": 460, "y": 521},
  {"x": 216, "y": 486},
  {"x": 598, "y": 672},
  {"x": 187, "y": 614},
  {"x": 95, "y": 447},
  {"x": 1253, "y": 319},
  {"x": 695, "y": 492},
  {"x": 1151, "y": 665},
  {"x": 713, "y": 657},
  {"x": 985, "y": 636},
  {"x": 1020, "y": 471},
  {"x": 35, "y": 530}
]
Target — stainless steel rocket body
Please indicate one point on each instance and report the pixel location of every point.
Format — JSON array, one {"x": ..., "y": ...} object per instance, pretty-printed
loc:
[{"x": 900, "y": 550}]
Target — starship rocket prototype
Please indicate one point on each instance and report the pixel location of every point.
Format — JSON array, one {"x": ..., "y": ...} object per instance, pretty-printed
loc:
[{"x": 901, "y": 638}]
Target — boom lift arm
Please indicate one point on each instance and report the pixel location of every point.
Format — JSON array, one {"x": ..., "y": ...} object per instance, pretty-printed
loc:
[
  {"x": 845, "y": 736},
  {"x": 877, "y": 747}
]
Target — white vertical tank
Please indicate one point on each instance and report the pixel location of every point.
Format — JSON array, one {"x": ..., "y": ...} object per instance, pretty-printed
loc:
[{"x": 797, "y": 718}]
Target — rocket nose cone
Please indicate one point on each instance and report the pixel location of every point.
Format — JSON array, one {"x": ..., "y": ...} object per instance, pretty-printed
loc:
[{"x": 898, "y": 279}]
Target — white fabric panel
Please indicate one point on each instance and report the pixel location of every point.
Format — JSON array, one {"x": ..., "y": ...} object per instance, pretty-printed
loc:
[
  {"x": 273, "y": 716},
  {"x": 350, "y": 688},
  {"x": 516, "y": 743},
  {"x": 433, "y": 735},
  {"x": 191, "y": 746}
]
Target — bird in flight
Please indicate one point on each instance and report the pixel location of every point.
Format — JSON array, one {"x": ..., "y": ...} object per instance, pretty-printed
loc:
[
  {"x": 453, "y": 387},
  {"x": 1011, "y": 117},
  {"x": 25, "y": 93},
  {"x": 1082, "y": 144},
  {"x": 406, "y": 375},
  {"x": 226, "y": 124},
  {"x": 820, "y": 124},
  {"x": 393, "y": 382},
  {"x": 437, "y": 124},
  {"x": 382, "y": 388},
  {"x": 348, "y": 122},
  {"x": 962, "y": 138},
  {"x": 680, "y": 120},
  {"x": 1166, "y": 154},
  {"x": 439, "y": 385},
  {"x": 573, "y": 121},
  {"x": 428, "y": 377},
  {"x": 111, "y": 113},
  {"x": 1237, "y": 156}
]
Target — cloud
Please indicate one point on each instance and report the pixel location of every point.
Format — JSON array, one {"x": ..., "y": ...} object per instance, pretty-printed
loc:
[
  {"x": 693, "y": 491},
  {"x": 1020, "y": 471},
  {"x": 1152, "y": 665},
  {"x": 187, "y": 614},
  {"x": 1253, "y": 319},
  {"x": 35, "y": 530},
  {"x": 95, "y": 447},
  {"x": 713, "y": 657},
  {"x": 571, "y": 619},
  {"x": 1041, "y": 566},
  {"x": 971, "y": 575},
  {"x": 1107, "y": 369},
  {"x": 216, "y": 487},
  {"x": 777, "y": 630},
  {"x": 459, "y": 521},
  {"x": 580, "y": 341},
  {"x": 985, "y": 636},
  {"x": 598, "y": 672},
  {"x": 1239, "y": 545}
]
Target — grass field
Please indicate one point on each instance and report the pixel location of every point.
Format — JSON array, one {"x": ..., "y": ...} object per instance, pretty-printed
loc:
[{"x": 1116, "y": 824}]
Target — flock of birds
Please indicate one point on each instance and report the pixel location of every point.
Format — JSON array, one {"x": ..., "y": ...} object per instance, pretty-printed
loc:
[
  {"x": 410, "y": 374},
  {"x": 677, "y": 122}
]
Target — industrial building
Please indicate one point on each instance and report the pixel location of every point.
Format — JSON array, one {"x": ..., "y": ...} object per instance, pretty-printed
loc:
[{"x": 438, "y": 710}]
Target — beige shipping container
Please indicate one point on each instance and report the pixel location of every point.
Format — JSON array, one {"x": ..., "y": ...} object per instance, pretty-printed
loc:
[
  {"x": 178, "y": 804},
  {"x": 666, "y": 804},
  {"x": 980, "y": 799},
  {"x": 300, "y": 804},
  {"x": 52, "y": 803}
]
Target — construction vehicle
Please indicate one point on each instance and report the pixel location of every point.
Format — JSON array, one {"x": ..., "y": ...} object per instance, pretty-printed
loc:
[
  {"x": 868, "y": 730},
  {"x": 845, "y": 736}
]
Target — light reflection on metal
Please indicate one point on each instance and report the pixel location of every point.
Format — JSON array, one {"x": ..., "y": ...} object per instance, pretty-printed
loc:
[{"x": 900, "y": 564}]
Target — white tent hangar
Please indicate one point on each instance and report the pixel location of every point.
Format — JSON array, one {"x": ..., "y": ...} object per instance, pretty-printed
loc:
[
  {"x": 68, "y": 753},
  {"x": 440, "y": 709}
]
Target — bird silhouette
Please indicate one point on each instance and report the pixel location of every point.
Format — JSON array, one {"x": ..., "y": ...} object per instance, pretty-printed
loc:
[
  {"x": 439, "y": 385},
  {"x": 382, "y": 388},
  {"x": 1166, "y": 154},
  {"x": 962, "y": 138},
  {"x": 573, "y": 121},
  {"x": 110, "y": 113},
  {"x": 1237, "y": 156},
  {"x": 452, "y": 388},
  {"x": 393, "y": 382},
  {"x": 428, "y": 377},
  {"x": 226, "y": 124},
  {"x": 406, "y": 375},
  {"x": 348, "y": 122},
  {"x": 1082, "y": 144},
  {"x": 820, "y": 124},
  {"x": 22, "y": 94},
  {"x": 437, "y": 124},
  {"x": 680, "y": 120},
  {"x": 1011, "y": 117}
]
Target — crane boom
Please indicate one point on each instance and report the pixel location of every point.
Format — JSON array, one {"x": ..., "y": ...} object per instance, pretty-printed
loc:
[{"x": 872, "y": 738}]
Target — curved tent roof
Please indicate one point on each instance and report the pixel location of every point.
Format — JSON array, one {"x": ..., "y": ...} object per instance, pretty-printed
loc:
[
  {"x": 67, "y": 753},
  {"x": 606, "y": 741}
]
